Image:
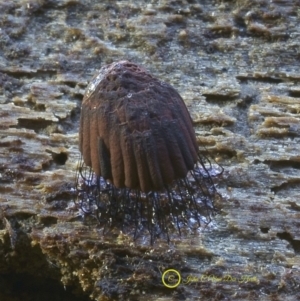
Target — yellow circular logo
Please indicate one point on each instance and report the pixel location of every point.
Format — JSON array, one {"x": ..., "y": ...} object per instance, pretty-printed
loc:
[{"x": 171, "y": 278}]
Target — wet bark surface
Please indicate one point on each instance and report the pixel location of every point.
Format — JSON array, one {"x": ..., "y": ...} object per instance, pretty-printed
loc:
[{"x": 235, "y": 64}]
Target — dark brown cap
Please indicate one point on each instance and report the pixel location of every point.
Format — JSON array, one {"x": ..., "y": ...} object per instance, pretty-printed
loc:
[{"x": 135, "y": 130}]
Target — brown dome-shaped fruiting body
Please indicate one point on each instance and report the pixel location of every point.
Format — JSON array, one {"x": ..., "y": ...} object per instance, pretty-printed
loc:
[
  {"x": 135, "y": 130},
  {"x": 140, "y": 167}
]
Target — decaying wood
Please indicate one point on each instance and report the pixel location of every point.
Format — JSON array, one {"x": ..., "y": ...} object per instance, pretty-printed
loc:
[{"x": 236, "y": 65}]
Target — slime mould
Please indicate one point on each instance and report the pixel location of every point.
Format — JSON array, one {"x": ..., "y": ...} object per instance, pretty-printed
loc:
[{"x": 142, "y": 167}]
